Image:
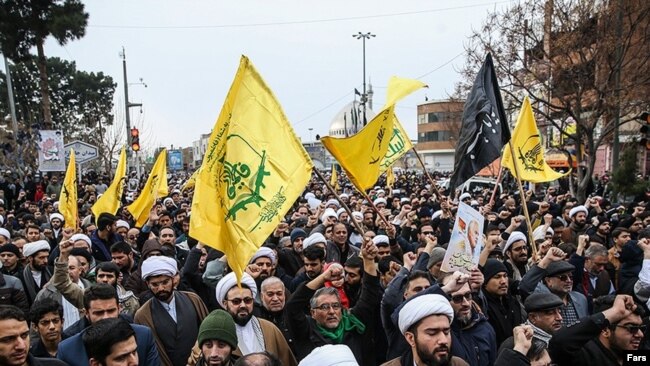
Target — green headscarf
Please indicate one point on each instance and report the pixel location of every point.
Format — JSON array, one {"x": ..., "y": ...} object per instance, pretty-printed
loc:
[{"x": 348, "y": 323}]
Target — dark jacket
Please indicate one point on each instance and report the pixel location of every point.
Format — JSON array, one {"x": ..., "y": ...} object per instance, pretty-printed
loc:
[
  {"x": 407, "y": 360},
  {"x": 510, "y": 357},
  {"x": 474, "y": 342},
  {"x": 307, "y": 336},
  {"x": 11, "y": 292},
  {"x": 504, "y": 313},
  {"x": 578, "y": 345},
  {"x": 73, "y": 352},
  {"x": 102, "y": 249},
  {"x": 36, "y": 361}
]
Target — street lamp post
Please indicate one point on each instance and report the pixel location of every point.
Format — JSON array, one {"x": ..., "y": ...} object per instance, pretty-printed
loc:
[
  {"x": 364, "y": 96},
  {"x": 310, "y": 140},
  {"x": 128, "y": 105}
]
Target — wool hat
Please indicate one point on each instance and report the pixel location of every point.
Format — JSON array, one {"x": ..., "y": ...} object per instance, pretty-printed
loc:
[
  {"x": 11, "y": 248},
  {"x": 218, "y": 325},
  {"x": 437, "y": 255},
  {"x": 493, "y": 267},
  {"x": 542, "y": 301},
  {"x": 297, "y": 233}
]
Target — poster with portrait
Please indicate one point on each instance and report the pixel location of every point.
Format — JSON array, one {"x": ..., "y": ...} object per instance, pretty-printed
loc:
[
  {"x": 51, "y": 152},
  {"x": 466, "y": 241}
]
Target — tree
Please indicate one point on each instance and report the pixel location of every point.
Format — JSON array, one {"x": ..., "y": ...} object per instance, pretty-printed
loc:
[
  {"x": 585, "y": 62},
  {"x": 624, "y": 181},
  {"x": 25, "y": 24}
]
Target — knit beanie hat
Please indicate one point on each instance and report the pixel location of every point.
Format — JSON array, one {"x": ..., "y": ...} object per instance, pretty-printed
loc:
[
  {"x": 492, "y": 267},
  {"x": 437, "y": 255},
  {"x": 218, "y": 325},
  {"x": 297, "y": 233}
]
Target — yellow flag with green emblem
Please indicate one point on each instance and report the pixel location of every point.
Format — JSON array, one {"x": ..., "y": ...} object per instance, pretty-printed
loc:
[
  {"x": 528, "y": 150},
  {"x": 364, "y": 155},
  {"x": 68, "y": 196},
  {"x": 190, "y": 182},
  {"x": 110, "y": 200},
  {"x": 254, "y": 170},
  {"x": 155, "y": 187}
]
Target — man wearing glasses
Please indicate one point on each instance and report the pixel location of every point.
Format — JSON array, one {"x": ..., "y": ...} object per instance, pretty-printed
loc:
[
  {"x": 254, "y": 334},
  {"x": 554, "y": 274}
]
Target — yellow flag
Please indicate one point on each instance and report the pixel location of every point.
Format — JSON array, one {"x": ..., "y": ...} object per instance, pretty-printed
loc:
[
  {"x": 529, "y": 150},
  {"x": 334, "y": 180},
  {"x": 363, "y": 155},
  {"x": 154, "y": 188},
  {"x": 254, "y": 170},
  {"x": 110, "y": 200},
  {"x": 68, "y": 197},
  {"x": 390, "y": 177},
  {"x": 190, "y": 182},
  {"x": 398, "y": 145}
]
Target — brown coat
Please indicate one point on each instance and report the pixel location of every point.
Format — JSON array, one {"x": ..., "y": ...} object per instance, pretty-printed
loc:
[
  {"x": 143, "y": 317},
  {"x": 274, "y": 342}
]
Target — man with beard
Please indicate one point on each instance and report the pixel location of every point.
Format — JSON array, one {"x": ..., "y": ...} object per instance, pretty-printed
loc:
[
  {"x": 273, "y": 296},
  {"x": 122, "y": 255},
  {"x": 516, "y": 255},
  {"x": 262, "y": 265},
  {"x": 253, "y": 334},
  {"x": 111, "y": 342},
  {"x": 217, "y": 339},
  {"x": 46, "y": 316},
  {"x": 553, "y": 274},
  {"x": 169, "y": 247},
  {"x": 578, "y": 225},
  {"x": 15, "y": 345},
  {"x": 56, "y": 222},
  {"x": 620, "y": 236},
  {"x": 592, "y": 277},
  {"x": 425, "y": 322},
  {"x": 313, "y": 259},
  {"x": 291, "y": 258},
  {"x": 342, "y": 250},
  {"x": 353, "y": 270},
  {"x": 104, "y": 236},
  {"x": 108, "y": 272},
  {"x": 473, "y": 338},
  {"x": 503, "y": 310},
  {"x": 602, "y": 228},
  {"x": 177, "y": 314},
  {"x": 604, "y": 338},
  {"x": 36, "y": 274}
]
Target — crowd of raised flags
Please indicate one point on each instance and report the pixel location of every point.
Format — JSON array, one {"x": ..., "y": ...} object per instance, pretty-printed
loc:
[{"x": 297, "y": 267}]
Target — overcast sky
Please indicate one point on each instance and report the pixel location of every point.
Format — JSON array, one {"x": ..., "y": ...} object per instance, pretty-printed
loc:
[{"x": 187, "y": 52}]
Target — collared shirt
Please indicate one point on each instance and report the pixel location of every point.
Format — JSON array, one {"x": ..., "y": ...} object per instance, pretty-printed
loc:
[
  {"x": 171, "y": 307},
  {"x": 569, "y": 313}
]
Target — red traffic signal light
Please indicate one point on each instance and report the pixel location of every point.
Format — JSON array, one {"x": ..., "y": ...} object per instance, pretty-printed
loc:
[{"x": 135, "y": 139}]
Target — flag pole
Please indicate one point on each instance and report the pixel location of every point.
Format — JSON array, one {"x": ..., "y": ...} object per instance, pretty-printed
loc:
[
  {"x": 496, "y": 186},
  {"x": 372, "y": 204},
  {"x": 345, "y": 206},
  {"x": 523, "y": 200},
  {"x": 424, "y": 168}
]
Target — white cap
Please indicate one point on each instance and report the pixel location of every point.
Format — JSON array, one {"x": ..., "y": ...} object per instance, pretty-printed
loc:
[{"x": 122, "y": 223}]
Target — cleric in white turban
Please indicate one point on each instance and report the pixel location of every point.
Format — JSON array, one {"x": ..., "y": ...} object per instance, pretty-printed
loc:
[
  {"x": 159, "y": 266},
  {"x": 314, "y": 238},
  {"x": 264, "y": 252},
  {"x": 513, "y": 238},
  {"x": 330, "y": 355},
  {"x": 421, "y": 307},
  {"x": 577, "y": 209},
  {"x": 30, "y": 249},
  {"x": 229, "y": 281}
]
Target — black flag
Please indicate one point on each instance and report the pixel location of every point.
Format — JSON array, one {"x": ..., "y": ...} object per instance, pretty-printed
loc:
[{"x": 484, "y": 130}]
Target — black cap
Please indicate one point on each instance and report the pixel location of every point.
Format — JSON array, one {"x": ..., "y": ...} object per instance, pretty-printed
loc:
[
  {"x": 559, "y": 267},
  {"x": 11, "y": 248},
  {"x": 493, "y": 267},
  {"x": 542, "y": 301}
]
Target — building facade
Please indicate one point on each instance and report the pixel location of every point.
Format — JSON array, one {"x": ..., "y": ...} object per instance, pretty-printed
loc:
[{"x": 438, "y": 128}]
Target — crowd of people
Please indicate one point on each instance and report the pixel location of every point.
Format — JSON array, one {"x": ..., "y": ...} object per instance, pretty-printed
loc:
[{"x": 329, "y": 286}]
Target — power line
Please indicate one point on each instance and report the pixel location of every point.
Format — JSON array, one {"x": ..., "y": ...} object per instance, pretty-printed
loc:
[
  {"x": 324, "y": 108},
  {"x": 293, "y": 22}
]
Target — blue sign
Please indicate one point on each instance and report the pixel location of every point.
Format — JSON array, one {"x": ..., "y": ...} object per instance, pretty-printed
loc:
[{"x": 175, "y": 160}]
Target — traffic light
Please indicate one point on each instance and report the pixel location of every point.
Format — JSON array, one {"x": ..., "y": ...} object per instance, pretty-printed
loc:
[
  {"x": 135, "y": 139},
  {"x": 645, "y": 129}
]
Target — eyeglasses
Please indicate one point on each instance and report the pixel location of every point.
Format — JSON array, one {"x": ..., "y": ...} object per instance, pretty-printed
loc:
[
  {"x": 565, "y": 277},
  {"x": 633, "y": 329},
  {"x": 238, "y": 301},
  {"x": 427, "y": 233},
  {"x": 458, "y": 299},
  {"x": 327, "y": 307}
]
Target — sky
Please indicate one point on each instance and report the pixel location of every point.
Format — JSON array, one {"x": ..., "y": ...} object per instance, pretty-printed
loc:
[{"x": 187, "y": 53}]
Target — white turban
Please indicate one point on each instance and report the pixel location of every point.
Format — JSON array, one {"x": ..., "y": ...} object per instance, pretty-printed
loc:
[
  {"x": 404, "y": 199},
  {"x": 77, "y": 237},
  {"x": 122, "y": 223},
  {"x": 436, "y": 214},
  {"x": 577, "y": 209},
  {"x": 229, "y": 281},
  {"x": 159, "y": 266},
  {"x": 422, "y": 306},
  {"x": 344, "y": 195},
  {"x": 328, "y": 213},
  {"x": 357, "y": 215},
  {"x": 379, "y": 200},
  {"x": 464, "y": 196},
  {"x": 330, "y": 355},
  {"x": 333, "y": 202},
  {"x": 168, "y": 200},
  {"x": 314, "y": 238},
  {"x": 4, "y": 232},
  {"x": 309, "y": 195},
  {"x": 264, "y": 252},
  {"x": 514, "y": 237},
  {"x": 30, "y": 249},
  {"x": 539, "y": 232},
  {"x": 56, "y": 215},
  {"x": 381, "y": 191},
  {"x": 380, "y": 239},
  {"x": 340, "y": 211}
]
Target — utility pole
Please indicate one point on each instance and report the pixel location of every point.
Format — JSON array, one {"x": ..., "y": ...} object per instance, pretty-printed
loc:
[
  {"x": 617, "y": 84},
  {"x": 10, "y": 95},
  {"x": 364, "y": 96},
  {"x": 127, "y": 105}
]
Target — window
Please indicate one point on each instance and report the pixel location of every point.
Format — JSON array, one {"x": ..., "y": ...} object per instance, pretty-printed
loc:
[{"x": 434, "y": 136}]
